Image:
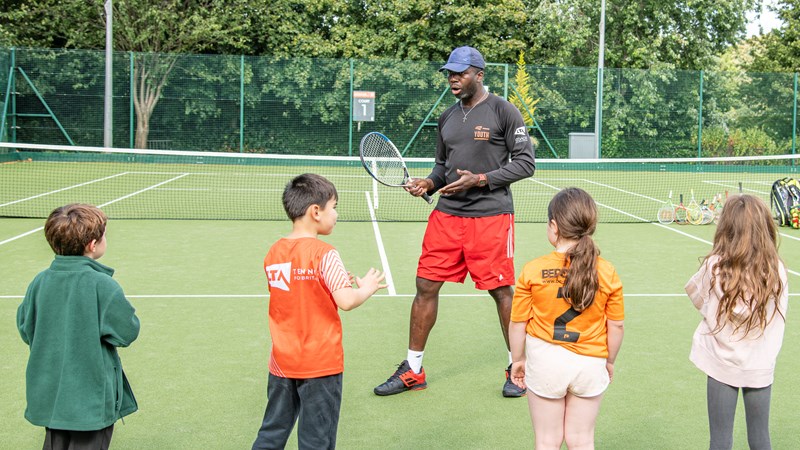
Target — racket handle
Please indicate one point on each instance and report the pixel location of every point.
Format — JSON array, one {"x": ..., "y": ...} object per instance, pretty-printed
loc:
[{"x": 427, "y": 198}]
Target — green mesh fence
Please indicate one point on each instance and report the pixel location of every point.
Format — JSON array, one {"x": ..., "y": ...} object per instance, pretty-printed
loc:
[
  {"x": 304, "y": 105},
  {"x": 5, "y": 67}
]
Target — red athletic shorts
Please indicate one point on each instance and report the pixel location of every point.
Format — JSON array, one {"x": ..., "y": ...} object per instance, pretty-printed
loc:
[{"x": 482, "y": 246}]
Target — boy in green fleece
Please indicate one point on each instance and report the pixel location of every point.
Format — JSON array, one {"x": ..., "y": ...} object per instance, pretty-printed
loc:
[{"x": 73, "y": 317}]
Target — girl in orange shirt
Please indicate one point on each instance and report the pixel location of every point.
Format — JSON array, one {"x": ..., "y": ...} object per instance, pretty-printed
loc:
[{"x": 566, "y": 326}]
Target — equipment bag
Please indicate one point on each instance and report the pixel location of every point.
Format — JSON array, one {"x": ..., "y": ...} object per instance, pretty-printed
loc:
[{"x": 785, "y": 202}]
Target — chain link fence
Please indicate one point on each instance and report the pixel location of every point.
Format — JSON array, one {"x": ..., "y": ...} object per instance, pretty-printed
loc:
[{"x": 315, "y": 106}]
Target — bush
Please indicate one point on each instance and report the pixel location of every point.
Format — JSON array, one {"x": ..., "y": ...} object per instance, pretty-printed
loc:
[{"x": 738, "y": 142}]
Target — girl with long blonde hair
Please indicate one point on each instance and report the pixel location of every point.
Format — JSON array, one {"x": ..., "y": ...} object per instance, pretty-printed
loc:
[{"x": 741, "y": 291}]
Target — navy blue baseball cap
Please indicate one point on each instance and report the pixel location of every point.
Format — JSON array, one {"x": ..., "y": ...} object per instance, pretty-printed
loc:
[{"x": 462, "y": 58}]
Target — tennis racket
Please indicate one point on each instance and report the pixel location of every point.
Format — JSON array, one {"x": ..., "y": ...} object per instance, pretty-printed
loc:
[
  {"x": 666, "y": 214},
  {"x": 693, "y": 212},
  {"x": 707, "y": 212},
  {"x": 680, "y": 212},
  {"x": 384, "y": 162},
  {"x": 717, "y": 206}
]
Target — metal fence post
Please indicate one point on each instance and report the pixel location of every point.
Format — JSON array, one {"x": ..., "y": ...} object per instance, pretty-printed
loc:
[
  {"x": 599, "y": 119},
  {"x": 794, "y": 117},
  {"x": 700, "y": 120},
  {"x": 241, "y": 104},
  {"x": 131, "y": 108},
  {"x": 13, "y": 93},
  {"x": 350, "y": 118},
  {"x": 505, "y": 81},
  {"x": 9, "y": 92}
]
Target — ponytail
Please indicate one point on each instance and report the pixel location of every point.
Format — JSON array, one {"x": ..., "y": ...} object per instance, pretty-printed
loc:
[
  {"x": 580, "y": 285},
  {"x": 575, "y": 213}
]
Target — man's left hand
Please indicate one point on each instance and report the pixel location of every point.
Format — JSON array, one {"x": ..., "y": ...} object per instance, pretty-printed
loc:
[{"x": 467, "y": 180}]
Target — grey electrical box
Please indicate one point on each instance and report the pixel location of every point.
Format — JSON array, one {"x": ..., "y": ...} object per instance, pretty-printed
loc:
[{"x": 582, "y": 146}]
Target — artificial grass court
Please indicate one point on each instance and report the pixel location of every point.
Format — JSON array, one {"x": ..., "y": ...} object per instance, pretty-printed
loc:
[{"x": 199, "y": 367}]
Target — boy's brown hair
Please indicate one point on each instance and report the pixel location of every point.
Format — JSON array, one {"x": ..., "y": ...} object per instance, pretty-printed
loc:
[
  {"x": 69, "y": 229},
  {"x": 306, "y": 190}
]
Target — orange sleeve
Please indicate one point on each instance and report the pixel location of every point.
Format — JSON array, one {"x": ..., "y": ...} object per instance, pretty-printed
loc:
[
  {"x": 615, "y": 305},
  {"x": 522, "y": 304}
]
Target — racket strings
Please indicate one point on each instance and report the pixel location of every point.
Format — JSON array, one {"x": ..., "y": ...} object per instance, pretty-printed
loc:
[{"x": 383, "y": 161}]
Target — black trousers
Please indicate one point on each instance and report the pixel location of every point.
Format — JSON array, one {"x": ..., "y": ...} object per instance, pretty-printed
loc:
[
  {"x": 77, "y": 440},
  {"x": 315, "y": 401}
]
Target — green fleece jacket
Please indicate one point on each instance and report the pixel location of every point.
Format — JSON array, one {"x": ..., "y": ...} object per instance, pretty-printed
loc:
[{"x": 73, "y": 317}]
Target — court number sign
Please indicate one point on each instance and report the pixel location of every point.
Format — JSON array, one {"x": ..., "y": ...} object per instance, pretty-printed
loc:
[{"x": 364, "y": 106}]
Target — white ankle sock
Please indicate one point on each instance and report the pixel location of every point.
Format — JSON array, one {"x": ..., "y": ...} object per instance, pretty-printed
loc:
[
  {"x": 415, "y": 360},
  {"x": 509, "y": 359}
]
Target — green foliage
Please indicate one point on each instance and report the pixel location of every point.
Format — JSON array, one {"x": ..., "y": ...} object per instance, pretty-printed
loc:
[
  {"x": 718, "y": 141},
  {"x": 645, "y": 34},
  {"x": 778, "y": 51}
]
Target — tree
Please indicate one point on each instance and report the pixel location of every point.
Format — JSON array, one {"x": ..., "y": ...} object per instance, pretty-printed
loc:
[
  {"x": 779, "y": 50},
  {"x": 158, "y": 31},
  {"x": 646, "y": 34}
]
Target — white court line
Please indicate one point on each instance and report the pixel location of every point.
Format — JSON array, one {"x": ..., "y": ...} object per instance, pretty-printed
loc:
[
  {"x": 142, "y": 190},
  {"x": 796, "y": 238},
  {"x": 381, "y": 251},
  {"x": 99, "y": 206},
  {"x": 735, "y": 188},
  {"x": 63, "y": 189},
  {"x": 655, "y": 223},
  {"x": 797, "y": 294},
  {"x": 623, "y": 190},
  {"x": 21, "y": 235}
]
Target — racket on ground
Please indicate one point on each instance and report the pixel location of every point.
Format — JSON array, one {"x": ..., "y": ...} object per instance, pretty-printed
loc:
[
  {"x": 666, "y": 214},
  {"x": 680, "y": 212},
  {"x": 708, "y": 213},
  {"x": 384, "y": 162},
  {"x": 717, "y": 207},
  {"x": 693, "y": 212}
]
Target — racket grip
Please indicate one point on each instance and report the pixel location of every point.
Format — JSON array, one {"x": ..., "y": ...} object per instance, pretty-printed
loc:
[{"x": 427, "y": 198}]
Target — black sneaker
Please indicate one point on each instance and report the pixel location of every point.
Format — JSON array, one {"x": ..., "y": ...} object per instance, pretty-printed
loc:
[
  {"x": 510, "y": 389},
  {"x": 403, "y": 379}
]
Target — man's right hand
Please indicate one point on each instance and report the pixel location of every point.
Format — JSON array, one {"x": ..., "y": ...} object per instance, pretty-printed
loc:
[{"x": 418, "y": 186}]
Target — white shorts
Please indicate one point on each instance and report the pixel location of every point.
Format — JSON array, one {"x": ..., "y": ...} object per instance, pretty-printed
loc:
[{"x": 551, "y": 371}]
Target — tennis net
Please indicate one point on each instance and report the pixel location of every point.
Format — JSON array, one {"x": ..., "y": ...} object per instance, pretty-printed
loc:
[{"x": 172, "y": 184}]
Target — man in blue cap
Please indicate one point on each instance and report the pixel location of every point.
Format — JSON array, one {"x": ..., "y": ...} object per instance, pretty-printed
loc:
[{"x": 482, "y": 147}]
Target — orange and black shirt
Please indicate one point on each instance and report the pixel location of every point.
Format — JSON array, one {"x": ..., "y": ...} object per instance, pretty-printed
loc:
[{"x": 538, "y": 301}]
